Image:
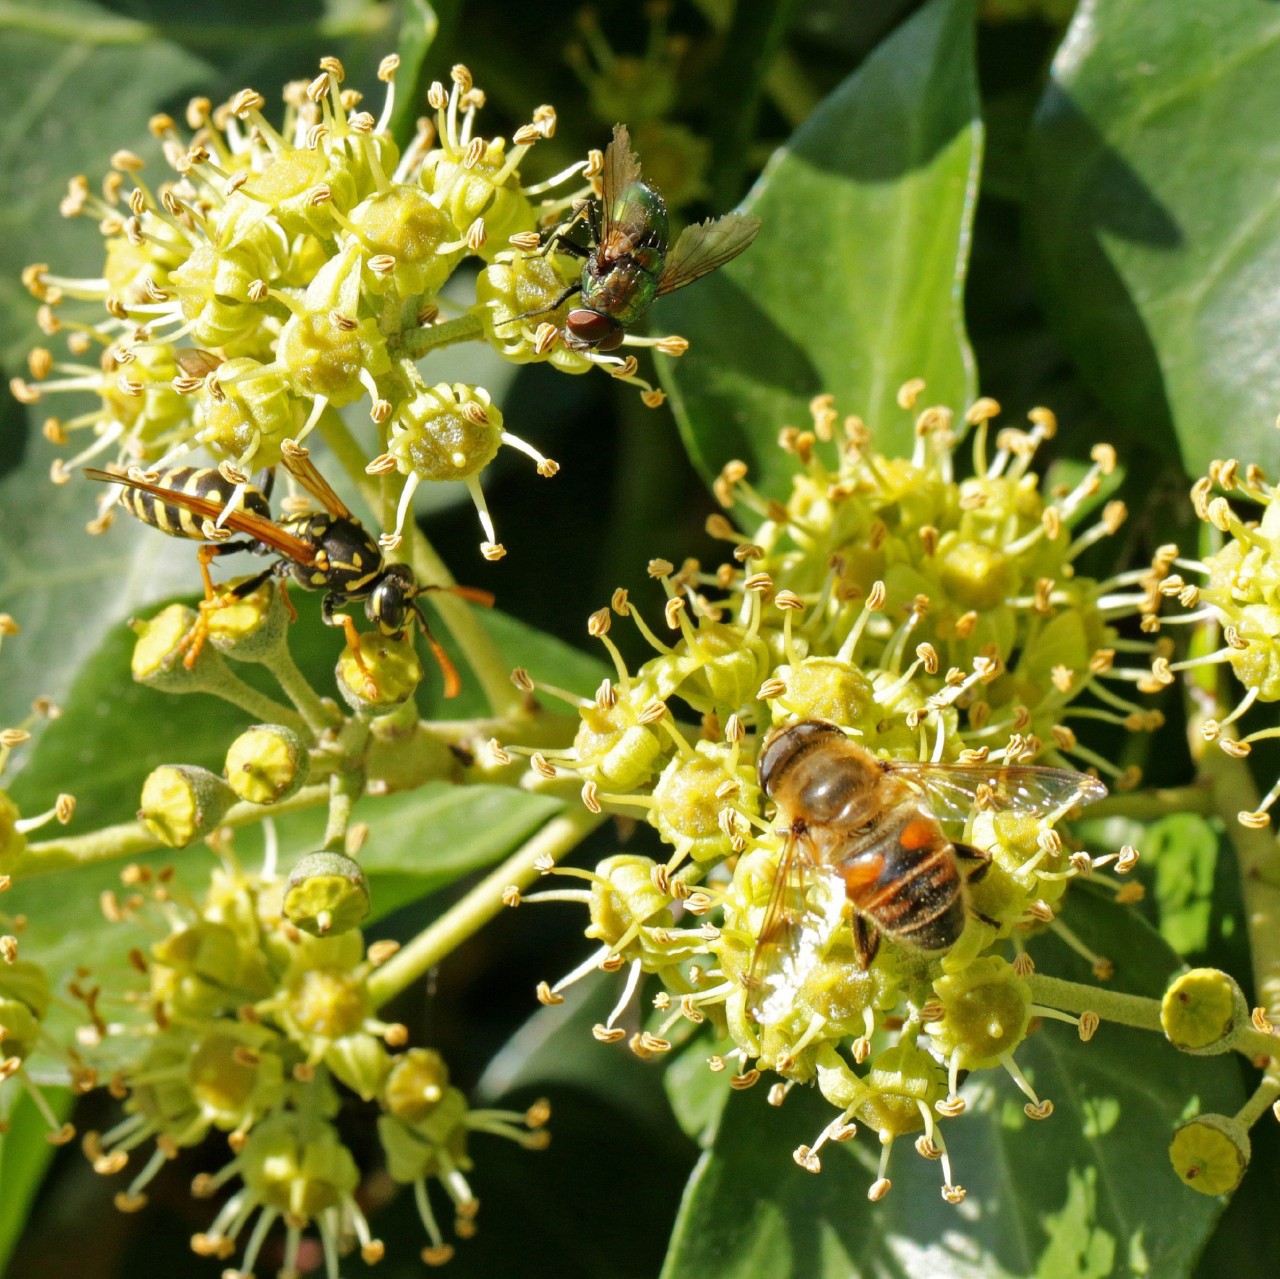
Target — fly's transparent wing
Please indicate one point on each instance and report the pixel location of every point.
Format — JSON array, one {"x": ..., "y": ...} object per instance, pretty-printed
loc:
[
  {"x": 806, "y": 905},
  {"x": 702, "y": 248},
  {"x": 954, "y": 791},
  {"x": 620, "y": 174}
]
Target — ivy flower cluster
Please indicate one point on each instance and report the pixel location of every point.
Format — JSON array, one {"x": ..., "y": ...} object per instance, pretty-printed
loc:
[
  {"x": 283, "y": 273},
  {"x": 1236, "y": 589},
  {"x": 242, "y": 1023},
  {"x": 931, "y": 618}
]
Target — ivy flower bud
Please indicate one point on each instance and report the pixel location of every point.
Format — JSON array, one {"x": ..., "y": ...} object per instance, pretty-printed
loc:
[
  {"x": 1210, "y": 1153},
  {"x": 182, "y": 803},
  {"x": 1202, "y": 1012},
  {"x": 327, "y": 893},
  {"x": 267, "y": 763},
  {"x": 380, "y": 674}
]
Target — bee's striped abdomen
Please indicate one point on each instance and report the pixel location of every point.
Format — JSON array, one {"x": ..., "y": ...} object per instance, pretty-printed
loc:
[{"x": 193, "y": 481}]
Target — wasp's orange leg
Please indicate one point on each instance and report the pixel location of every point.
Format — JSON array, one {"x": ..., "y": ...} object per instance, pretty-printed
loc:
[{"x": 191, "y": 644}]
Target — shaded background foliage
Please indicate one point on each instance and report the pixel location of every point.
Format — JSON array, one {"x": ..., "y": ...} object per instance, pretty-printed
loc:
[{"x": 1084, "y": 218}]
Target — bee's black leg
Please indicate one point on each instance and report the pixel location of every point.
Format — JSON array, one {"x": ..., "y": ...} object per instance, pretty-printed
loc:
[
  {"x": 986, "y": 919},
  {"x": 866, "y": 941},
  {"x": 980, "y": 861}
]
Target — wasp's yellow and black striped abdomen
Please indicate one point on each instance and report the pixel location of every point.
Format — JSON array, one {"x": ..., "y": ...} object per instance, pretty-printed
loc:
[{"x": 202, "y": 481}]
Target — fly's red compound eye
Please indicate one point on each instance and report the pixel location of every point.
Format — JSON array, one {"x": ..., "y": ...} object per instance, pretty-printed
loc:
[{"x": 593, "y": 329}]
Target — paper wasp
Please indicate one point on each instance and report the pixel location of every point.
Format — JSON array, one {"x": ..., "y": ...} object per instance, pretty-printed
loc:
[{"x": 328, "y": 550}]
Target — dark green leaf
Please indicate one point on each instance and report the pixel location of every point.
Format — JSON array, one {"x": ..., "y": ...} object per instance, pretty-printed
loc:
[
  {"x": 1086, "y": 1193},
  {"x": 853, "y": 284},
  {"x": 1154, "y": 216},
  {"x": 418, "y": 30},
  {"x": 24, "y": 1155}
]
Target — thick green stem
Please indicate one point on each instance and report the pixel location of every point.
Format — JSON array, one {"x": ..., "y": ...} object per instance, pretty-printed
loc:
[
  {"x": 557, "y": 838},
  {"x": 1110, "y": 1005},
  {"x": 1151, "y": 805},
  {"x": 311, "y": 706},
  {"x": 493, "y": 672},
  {"x": 132, "y": 838},
  {"x": 347, "y": 784},
  {"x": 1235, "y": 793},
  {"x": 1257, "y": 1105},
  {"x": 417, "y": 342},
  {"x": 1131, "y": 1010},
  {"x": 266, "y": 709}
]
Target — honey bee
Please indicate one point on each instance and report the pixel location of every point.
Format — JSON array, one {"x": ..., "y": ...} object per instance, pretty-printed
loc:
[{"x": 865, "y": 836}]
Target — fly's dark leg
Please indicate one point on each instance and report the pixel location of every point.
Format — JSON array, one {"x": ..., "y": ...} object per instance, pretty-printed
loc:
[
  {"x": 866, "y": 941},
  {"x": 544, "y": 310},
  {"x": 558, "y": 235}
]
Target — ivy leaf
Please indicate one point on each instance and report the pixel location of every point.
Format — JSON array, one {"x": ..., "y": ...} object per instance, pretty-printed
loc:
[
  {"x": 24, "y": 1155},
  {"x": 1154, "y": 218},
  {"x": 1086, "y": 1194},
  {"x": 853, "y": 285}
]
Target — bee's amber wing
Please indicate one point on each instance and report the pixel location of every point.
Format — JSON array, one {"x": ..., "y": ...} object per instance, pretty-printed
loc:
[
  {"x": 953, "y": 792},
  {"x": 806, "y": 904}
]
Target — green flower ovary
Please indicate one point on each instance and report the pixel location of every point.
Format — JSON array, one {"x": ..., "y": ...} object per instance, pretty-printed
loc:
[
  {"x": 251, "y": 417},
  {"x": 988, "y": 1009},
  {"x": 296, "y": 1167},
  {"x": 689, "y": 798},
  {"x": 901, "y": 1078},
  {"x": 405, "y": 223},
  {"x": 446, "y": 432}
]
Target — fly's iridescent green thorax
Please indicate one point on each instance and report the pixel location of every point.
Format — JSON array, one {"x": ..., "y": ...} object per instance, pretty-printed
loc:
[{"x": 620, "y": 279}]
